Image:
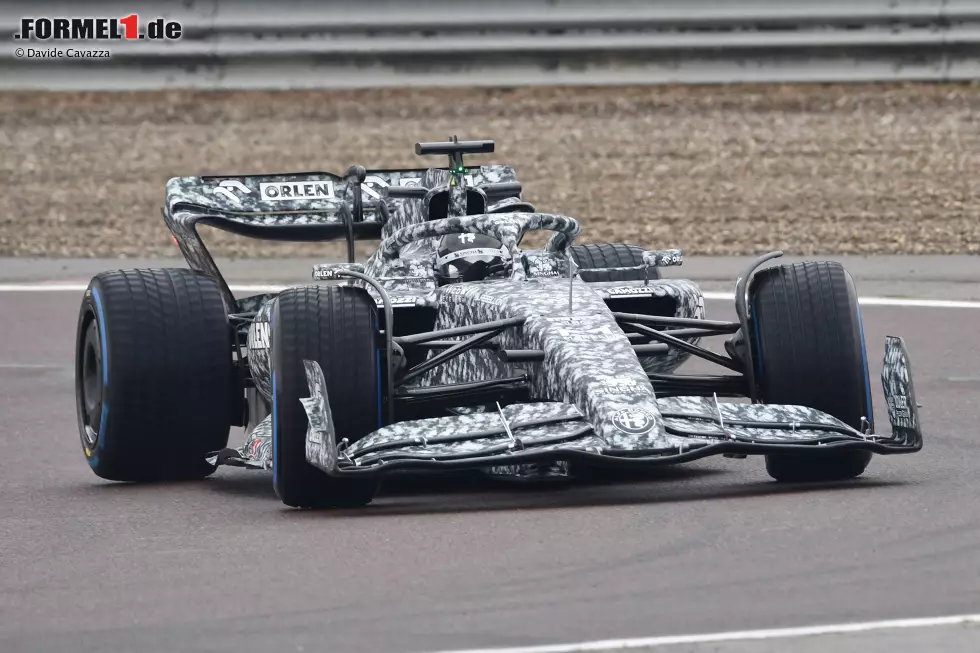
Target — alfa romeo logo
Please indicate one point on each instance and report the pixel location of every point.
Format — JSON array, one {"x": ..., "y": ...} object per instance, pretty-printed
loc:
[{"x": 635, "y": 421}]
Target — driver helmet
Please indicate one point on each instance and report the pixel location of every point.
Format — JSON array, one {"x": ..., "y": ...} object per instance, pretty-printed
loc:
[{"x": 469, "y": 257}]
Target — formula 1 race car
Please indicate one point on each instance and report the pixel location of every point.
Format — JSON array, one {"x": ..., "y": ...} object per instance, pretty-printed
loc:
[{"x": 453, "y": 348}]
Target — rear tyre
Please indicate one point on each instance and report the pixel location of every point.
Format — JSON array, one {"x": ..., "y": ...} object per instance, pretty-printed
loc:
[
  {"x": 610, "y": 255},
  {"x": 336, "y": 326},
  {"x": 810, "y": 351},
  {"x": 154, "y": 376}
]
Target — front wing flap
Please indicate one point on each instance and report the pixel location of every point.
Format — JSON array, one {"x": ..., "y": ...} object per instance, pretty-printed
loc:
[
  {"x": 694, "y": 427},
  {"x": 521, "y": 435}
]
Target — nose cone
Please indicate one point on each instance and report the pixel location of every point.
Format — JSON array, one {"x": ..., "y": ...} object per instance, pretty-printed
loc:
[{"x": 589, "y": 362}]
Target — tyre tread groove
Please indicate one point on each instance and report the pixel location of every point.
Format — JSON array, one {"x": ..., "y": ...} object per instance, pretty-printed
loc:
[
  {"x": 811, "y": 354},
  {"x": 610, "y": 255},
  {"x": 170, "y": 373},
  {"x": 333, "y": 326}
]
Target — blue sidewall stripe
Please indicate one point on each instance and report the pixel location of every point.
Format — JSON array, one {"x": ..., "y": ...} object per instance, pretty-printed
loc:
[
  {"x": 275, "y": 432},
  {"x": 757, "y": 350},
  {"x": 864, "y": 362},
  {"x": 93, "y": 461},
  {"x": 275, "y": 402},
  {"x": 275, "y": 410},
  {"x": 377, "y": 358}
]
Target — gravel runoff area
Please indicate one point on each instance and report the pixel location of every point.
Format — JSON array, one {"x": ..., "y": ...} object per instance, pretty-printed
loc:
[{"x": 810, "y": 169}]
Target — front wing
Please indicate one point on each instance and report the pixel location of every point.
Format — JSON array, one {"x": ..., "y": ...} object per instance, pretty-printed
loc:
[{"x": 519, "y": 436}]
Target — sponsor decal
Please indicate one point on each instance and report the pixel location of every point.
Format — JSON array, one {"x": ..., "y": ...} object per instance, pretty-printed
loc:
[
  {"x": 634, "y": 421},
  {"x": 228, "y": 187},
  {"x": 455, "y": 289},
  {"x": 611, "y": 385},
  {"x": 669, "y": 257},
  {"x": 597, "y": 334},
  {"x": 315, "y": 436},
  {"x": 473, "y": 251},
  {"x": 324, "y": 189},
  {"x": 627, "y": 388},
  {"x": 545, "y": 272},
  {"x": 631, "y": 291},
  {"x": 898, "y": 405},
  {"x": 398, "y": 301},
  {"x": 284, "y": 191},
  {"x": 463, "y": 289},
  {"x": 538, "y": 265},
  {"x": 315, "y": 415},
  {"x": 471, "y": 293},
  {"x": 258, "y": 336},
  {"x": 327, "y": 272}
]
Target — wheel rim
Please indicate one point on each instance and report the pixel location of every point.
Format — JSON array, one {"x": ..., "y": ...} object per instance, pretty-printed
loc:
[{"x": 90, "y": 387}]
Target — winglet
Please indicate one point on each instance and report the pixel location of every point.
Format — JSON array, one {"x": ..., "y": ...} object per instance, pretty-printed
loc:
[
  {"x": 321, "y": 444},
  {"x": 896, "y": 381}
]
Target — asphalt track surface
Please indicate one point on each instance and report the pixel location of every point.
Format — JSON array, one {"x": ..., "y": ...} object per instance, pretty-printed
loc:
[{"x": 713, "y": 546}]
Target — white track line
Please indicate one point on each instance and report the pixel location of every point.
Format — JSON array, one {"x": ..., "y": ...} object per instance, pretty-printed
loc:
[
  {"x": 57, "y": 286},
  {"x": 880, "y": 301},
  {"x": 258, "y": 288},
  {"x": 738, "y": 635}
]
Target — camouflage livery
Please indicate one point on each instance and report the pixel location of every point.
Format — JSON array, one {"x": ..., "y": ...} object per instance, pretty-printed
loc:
[
  {"x": 324, "y": 195},
  {"x": 259, "y": 343},
  {"x": 587, "y": 377},
  {"x": 896, "y": 380},
  {"x": 687, "y": 422},
  {"x": 320, "y": 420},
  {"x": 257, "y": 450}
]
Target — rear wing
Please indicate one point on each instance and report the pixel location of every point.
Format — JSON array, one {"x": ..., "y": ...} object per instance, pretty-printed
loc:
[
  {"x": 317, "y": 196},
  {"x": 245, "y": 195}
]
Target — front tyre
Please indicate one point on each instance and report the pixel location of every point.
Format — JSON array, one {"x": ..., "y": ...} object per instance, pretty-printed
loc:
[
  {"x": 809, "y": 351},
  {"x": 337, "y": 327},
  {"x": 154, "y": 384}
]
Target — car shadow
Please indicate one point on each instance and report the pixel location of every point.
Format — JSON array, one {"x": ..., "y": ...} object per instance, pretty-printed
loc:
[
  {"x": 468, "y": 492},
  {"x": 250, "y": 484},
  {"x": 258, "y": 484},
  {"x": 590, "y": 497},
  {"x": 425, "y": 496}
]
